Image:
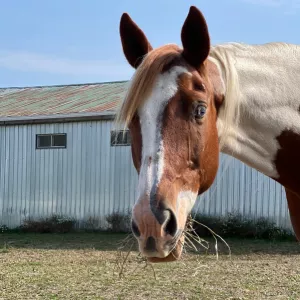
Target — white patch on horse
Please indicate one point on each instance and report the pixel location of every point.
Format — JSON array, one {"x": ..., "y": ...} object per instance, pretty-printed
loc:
[
  {"x": 186, "y": 201},
  {"x": 150, "y": 115},
  {"x": 268, "y": 79}
]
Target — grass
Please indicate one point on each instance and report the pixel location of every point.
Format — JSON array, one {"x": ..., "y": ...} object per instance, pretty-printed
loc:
[{"x": 83, "y": 266}]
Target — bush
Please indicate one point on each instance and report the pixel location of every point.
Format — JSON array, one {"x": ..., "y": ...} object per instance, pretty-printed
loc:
[
  {"x": 232, "y": 225},
  {"x": 53, "y": 224},
  {"x": 119, "y": 222},
  {"x": 235, "y": 225},
  {"x": 92, "y": 224},
  {"x": 3, "y": 228}
]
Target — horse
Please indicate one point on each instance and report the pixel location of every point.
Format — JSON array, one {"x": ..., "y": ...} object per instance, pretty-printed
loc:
[{"x": 185, "y": 105}]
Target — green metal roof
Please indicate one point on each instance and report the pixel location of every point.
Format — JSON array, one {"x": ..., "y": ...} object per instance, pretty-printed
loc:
[{"x": 67, "y": 99}]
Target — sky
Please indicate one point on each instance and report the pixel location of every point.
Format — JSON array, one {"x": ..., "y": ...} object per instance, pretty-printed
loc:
[{"x": 61, "y": 42}]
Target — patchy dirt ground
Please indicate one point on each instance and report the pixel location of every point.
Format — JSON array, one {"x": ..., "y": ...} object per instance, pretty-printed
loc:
[{"x": 86, "y": 266}]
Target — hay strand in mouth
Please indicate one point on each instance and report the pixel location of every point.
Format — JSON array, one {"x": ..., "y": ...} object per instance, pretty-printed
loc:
[
  {"x": 197, "y": 239},
  {"x": 192, "y": 235},
  {"x": 123, "y": 253},
  {"x": 124, "y": 261},
  {"x": 215, "y": 237},
  {"x": 129, "y": 239},
  {"x": 123, "y": 245},
  {"x": 189, "y": 243}
]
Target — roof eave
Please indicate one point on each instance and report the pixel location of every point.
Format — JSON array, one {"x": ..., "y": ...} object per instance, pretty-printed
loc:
[{"x": 58, "y": 118}]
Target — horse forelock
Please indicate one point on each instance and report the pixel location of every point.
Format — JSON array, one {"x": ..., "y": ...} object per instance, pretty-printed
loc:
[{"x": 141, "y": 85}]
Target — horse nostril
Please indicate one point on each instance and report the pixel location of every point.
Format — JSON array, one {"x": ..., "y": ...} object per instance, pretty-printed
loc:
[
  {"x": 150, "y": 244},
  {"x": 170, "y": 226},
  {"x": 135, "y": 229}
]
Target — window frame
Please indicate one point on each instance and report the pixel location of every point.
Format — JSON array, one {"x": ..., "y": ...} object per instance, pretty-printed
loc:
[
  {"x": 114, "y": 133},
  {"x": 52, "y": 135}
]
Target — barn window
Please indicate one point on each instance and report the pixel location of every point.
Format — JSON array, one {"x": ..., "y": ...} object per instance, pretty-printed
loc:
[
  {"x": 49, "y": 141},
  {"x": 120, "y": 138}
]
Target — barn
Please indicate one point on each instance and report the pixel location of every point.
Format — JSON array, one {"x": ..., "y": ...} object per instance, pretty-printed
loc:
[{"x": 60, "y": 154}]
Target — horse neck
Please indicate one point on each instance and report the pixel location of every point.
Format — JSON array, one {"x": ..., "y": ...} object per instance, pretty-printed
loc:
[{"x": 269, "y": 102}]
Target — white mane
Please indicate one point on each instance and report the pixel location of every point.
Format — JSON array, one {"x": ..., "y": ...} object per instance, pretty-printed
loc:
[{"x": 229, "y": 114}]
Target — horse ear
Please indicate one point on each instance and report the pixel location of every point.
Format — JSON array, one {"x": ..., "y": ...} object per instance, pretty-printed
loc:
[
  {"x": 195, "y": 38},
  {"x": 134, "y": 42}
]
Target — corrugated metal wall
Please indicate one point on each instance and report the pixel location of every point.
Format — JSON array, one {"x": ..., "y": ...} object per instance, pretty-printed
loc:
[
  {"x": 239, "y": 188},
  {"x": 92, "y": 179},
  {"x": 88, "y": 178}
]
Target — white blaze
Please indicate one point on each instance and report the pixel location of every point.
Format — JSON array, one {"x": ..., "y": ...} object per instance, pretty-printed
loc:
[{"x": 150, "y": 115}]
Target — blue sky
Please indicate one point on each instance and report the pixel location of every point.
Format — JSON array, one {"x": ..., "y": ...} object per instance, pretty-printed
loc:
[{"x": 71, "y": 41}]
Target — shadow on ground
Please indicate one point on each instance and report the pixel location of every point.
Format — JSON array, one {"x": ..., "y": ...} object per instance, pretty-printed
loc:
[{"x": 111, "y": 242}]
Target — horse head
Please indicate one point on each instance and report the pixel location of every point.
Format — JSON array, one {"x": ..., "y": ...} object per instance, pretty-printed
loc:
[{"x": 171, "y": 111}]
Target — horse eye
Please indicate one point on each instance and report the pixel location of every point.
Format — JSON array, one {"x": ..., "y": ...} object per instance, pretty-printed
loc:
[{"x": 200, "y": 111}]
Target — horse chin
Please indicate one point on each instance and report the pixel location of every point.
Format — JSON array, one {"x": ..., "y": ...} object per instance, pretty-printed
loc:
[{"x": 174, "y": 255}]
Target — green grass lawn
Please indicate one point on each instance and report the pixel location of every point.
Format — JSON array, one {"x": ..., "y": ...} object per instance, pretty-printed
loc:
[{"x": 87, "y": 266}]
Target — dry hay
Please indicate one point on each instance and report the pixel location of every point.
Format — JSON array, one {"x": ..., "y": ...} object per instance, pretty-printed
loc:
[
  {"x": 122, "y": 263},
  {"x": 193, "y": 241}
]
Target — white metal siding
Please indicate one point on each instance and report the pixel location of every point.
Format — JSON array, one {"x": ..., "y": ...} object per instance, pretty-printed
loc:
[
  {"x": 92, "y": 179},
  {"x": 87, "y": 179},
  {"x": 239, "y": 188}
]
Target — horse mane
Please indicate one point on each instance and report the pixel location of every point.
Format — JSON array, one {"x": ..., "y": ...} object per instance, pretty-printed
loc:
[
  {"x": 229, "y": 113},
  {"x": 144, "y": 79}
]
